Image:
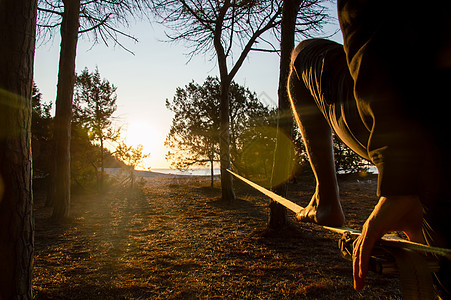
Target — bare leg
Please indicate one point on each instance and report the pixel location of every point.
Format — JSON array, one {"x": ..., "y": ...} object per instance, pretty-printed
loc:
[{"x": 324, "y": 207}]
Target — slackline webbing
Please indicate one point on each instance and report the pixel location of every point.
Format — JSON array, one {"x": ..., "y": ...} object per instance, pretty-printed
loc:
[
  {"x": 387, "y": 240},
  {"x": 390, "y": 254}
]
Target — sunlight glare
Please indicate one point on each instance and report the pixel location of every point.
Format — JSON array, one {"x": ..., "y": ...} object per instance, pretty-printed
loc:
[{"x": 142, "y": 133}]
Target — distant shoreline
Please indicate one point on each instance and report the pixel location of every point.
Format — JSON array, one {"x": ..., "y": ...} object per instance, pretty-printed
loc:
[
  {"x": 170, "y": 173},
  {"x": 189, "y": 172}
]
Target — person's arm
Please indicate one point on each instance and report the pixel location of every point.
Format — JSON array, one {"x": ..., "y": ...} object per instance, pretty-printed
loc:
[{"x": 393, "y": 213}]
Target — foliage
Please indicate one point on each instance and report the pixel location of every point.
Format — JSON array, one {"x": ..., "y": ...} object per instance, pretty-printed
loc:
[
  {"x": 238, "y": 25},
  {"x": 257, "y": 154},
  {"x": 41, "y": 129},
  {"x": 347, "y": 160},
  {"x": 99, "y": 20},
  {"x": 85, "y": 153},
  {"x": 131, "y": 156},
  {"x": 95, "y": 104},
  {"x": 85, "y": 173},
  {"x": 228, "y": 30},
  {"x": 221, "y": 28},
  {"x": 84, "y": 157},
  {"x": 195, "y": 131},
  {"x": 253, "y": 128},
  {"x": 72, "y": 18},
  {"x": 93, "y": 109}
]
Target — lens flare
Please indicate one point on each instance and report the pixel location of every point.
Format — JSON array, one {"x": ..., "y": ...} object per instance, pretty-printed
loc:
[{"x": 257, "y": 159}]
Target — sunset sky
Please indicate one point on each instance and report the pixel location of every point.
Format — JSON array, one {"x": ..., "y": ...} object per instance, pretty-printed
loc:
[{"x": 146, "y": 79}]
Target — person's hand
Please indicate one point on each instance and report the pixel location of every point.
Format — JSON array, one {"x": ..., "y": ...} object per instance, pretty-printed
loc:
[{"x": 394, "y": 213}]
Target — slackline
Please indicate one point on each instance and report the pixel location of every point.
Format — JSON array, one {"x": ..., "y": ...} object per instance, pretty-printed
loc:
[
  {"x": 387, "y": 240},
  {"x": 390, "y": 254}
]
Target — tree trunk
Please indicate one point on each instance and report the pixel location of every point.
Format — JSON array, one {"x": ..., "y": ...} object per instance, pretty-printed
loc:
[
  {"x": 63, "y": 116},
  {"x": 228, "y": 193},
  {"x": 211, "y": 173},
  {"x": 17, "y": 43},
  {"x": 283, "y": 154},
  {"x": 102, "y": 167}
]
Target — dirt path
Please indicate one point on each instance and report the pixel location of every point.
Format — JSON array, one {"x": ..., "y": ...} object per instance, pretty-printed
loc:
[{"x": 177, "y": 240}]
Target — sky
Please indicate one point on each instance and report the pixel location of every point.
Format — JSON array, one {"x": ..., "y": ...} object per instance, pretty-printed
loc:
[{"x": 145, "y": 79}]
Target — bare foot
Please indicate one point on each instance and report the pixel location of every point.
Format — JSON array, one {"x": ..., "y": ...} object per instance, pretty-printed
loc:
[{"x": 327, "y": 213}]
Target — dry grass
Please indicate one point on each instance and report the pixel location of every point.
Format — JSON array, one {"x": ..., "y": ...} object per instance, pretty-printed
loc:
[{"x": 175, "y": 239}]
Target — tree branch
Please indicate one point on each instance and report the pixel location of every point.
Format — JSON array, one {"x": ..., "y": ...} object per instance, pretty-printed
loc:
[
  {"x": 266, "y": 50},
  {"x": 50, "y": 11},
  {"x": 101, "y": 22},
  {"x": 271, "y": 23}
]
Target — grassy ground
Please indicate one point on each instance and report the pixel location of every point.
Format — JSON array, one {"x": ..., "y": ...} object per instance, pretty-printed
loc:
[{"x": 175, "y": 239}]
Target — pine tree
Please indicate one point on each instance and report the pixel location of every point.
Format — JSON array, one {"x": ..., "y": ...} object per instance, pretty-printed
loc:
[{"x": 94, "y": 106}]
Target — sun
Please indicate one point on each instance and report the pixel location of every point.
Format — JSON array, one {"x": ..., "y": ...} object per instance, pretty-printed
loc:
[
  {"x": 152, "y": 140},
  {"x": 138, "y": 133}
]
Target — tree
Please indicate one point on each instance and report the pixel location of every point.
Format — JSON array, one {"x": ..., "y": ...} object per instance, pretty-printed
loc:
[
  {"x": 220, "y": 26},
  {"x": 132, "y": 157},
  {"x": 224, "y": 28},
  {"x": 41, "y": 134},
  {"x": 17, "y": 44},
  {"x": 94, "y": 106},
  {"x": 99, "y": 18},
  {"x": 60, "y": 193},
  {"x": 347, "y": 160},
  {"x": 84, "y": 156},
  {"x": 194, "y": 133},
  {"x": 302, "y": 17},
  {"x": 252, "y": 134},
  {"x": 283, "y": 155},
  {"x": 194, "y": 136}
]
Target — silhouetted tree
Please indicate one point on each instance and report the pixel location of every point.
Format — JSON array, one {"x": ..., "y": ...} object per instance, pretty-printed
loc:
[
  {"x": 41, "y": 134},
  {"x": 17, "y": 44},
  {"x": 251, "y": 124},
  {"x": 282, "y": 169},
  {"x": 94, "y": 106},
  {"x": 224, "y": 28},
  {"x": 60, "y": 193},
  {"x": 85, "y": 158},
  {"x": 132, "y": 157},
  {"x": 99, "y": 20},
  {"x": 347, "y": 160},
  {"x": 304, "y": 18},
  {"x": 194, "y": 136}
]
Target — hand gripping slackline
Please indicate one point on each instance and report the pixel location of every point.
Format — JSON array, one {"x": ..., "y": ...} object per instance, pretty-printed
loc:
[{"x": 414, "y": 262}]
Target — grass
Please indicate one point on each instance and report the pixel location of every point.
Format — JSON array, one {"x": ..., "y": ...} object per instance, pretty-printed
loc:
[{"x": 175, "y": 239}]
